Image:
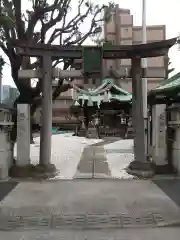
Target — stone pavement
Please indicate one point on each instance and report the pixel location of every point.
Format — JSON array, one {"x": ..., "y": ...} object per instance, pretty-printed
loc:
[
  {"x": 91, "y": 204},
  {"x": 6, "y": 188},
  {"x": 79, "y": 157},
  {"x": 106, "y": 159},
  {"x": 109, "y": 204},
  {"x": 65, "y": 153},
  {"x": 122, "y": 234},
  {"x": 93, "y": 163}
]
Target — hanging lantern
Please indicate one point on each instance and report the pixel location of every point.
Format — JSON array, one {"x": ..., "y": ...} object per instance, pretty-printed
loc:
[
  {"x": 83, "y": 125},
  {"x": 99, "y": 102},
  {"x": 106, "y": 99},
  {"x": 90, "y": 102}
]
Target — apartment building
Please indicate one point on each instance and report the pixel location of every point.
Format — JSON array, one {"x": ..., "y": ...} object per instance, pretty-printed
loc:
[
  {"x": 120, "y": 30},
  {"x": 61, "y": 110}
]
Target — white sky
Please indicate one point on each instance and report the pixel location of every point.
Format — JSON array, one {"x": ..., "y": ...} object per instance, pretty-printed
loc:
[{"x": 158, "y": 12}]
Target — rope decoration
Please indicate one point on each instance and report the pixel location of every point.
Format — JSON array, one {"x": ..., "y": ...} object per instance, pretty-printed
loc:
[{"x": 95, "y": 92}]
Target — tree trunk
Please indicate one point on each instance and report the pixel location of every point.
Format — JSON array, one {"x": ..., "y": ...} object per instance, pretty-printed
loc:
[{"x": 27, "y": 95}]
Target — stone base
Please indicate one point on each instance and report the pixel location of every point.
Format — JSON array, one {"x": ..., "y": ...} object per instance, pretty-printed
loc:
[
  {"x": 140, "y": 169},
  {"x": 46, "y": 169},
  {"x": 31, "y": 171},
  {"x": 92, "y": 133}
]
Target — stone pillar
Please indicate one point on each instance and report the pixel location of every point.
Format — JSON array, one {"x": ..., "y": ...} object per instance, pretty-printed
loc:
[
  {"x": 5, "y": 153},
  {"x": 159, "y": 134},
  {"x": 140, "y": 164},
  {"x": 138, "y": 119},
  {"x": 46, "y": 117},
  {"x": 23, "y": 135}
]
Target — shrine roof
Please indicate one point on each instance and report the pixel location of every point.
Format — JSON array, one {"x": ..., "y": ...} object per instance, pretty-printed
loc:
[
  {"x": 115, "y": 92},
  {"x": 168, "y": 86}
]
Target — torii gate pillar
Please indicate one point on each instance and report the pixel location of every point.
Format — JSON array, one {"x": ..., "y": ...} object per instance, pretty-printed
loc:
[
  {"x": 46, "y": 120},
  {"x": 138, "y": 121},
  {"x": 137, "y": 105}
]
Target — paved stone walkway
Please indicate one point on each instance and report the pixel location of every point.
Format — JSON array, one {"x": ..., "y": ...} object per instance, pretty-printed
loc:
[
  {"x": 88, "y": 204},
  {"x": 98, "y": 203},
  {"x": 6, "y": 188},
  {"x": 93, "y": 163},
  {"x": 105, "y": 234}
]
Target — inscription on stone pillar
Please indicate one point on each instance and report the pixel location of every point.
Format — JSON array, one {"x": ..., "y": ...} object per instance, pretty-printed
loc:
[{"x": 23, "y": 135}]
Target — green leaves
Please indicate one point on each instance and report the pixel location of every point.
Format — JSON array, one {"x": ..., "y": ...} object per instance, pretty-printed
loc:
[
  {"x": 6, "y": 21},
  {"x": 108, "y": 11}
]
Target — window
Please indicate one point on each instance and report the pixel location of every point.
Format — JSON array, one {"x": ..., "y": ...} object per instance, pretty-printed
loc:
[
  {"x": 126, "y": 33},
  {"x": 111, "y": 41},
  {"x": 86, "y": 80},
  {"x": 113, "y": 17},
  {"x": 56, "y": 112}
]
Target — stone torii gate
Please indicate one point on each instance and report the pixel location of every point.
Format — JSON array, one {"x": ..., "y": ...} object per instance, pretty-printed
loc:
[{"x": 48, "y": 53}]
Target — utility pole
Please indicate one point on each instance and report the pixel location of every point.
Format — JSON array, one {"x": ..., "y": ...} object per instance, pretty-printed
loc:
[
  {"x": 1, "y": 87},
  {"x": 1, "y": 68},
  {"x": 144, "y": 66}
]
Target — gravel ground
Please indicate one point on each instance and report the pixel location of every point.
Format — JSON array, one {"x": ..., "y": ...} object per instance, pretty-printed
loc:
[{"x": 67, "y": 151}]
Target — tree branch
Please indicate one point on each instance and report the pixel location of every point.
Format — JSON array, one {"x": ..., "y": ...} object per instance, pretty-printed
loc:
[
  {"x": 19, "y": 22},
  {"x": 91, "y": 31},
  {"x": 57, "y": 62},
  {"x": 57, "y": 11},
  {"x": 62, "y": 11},
  {"x": 71, "y": 26}
]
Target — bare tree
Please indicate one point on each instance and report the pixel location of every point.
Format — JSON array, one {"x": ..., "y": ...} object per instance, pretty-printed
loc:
[{"x": 45, "y": 21}]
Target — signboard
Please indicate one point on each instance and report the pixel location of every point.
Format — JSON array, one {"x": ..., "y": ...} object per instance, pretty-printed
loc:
[{"x": 92, "y": 60}]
